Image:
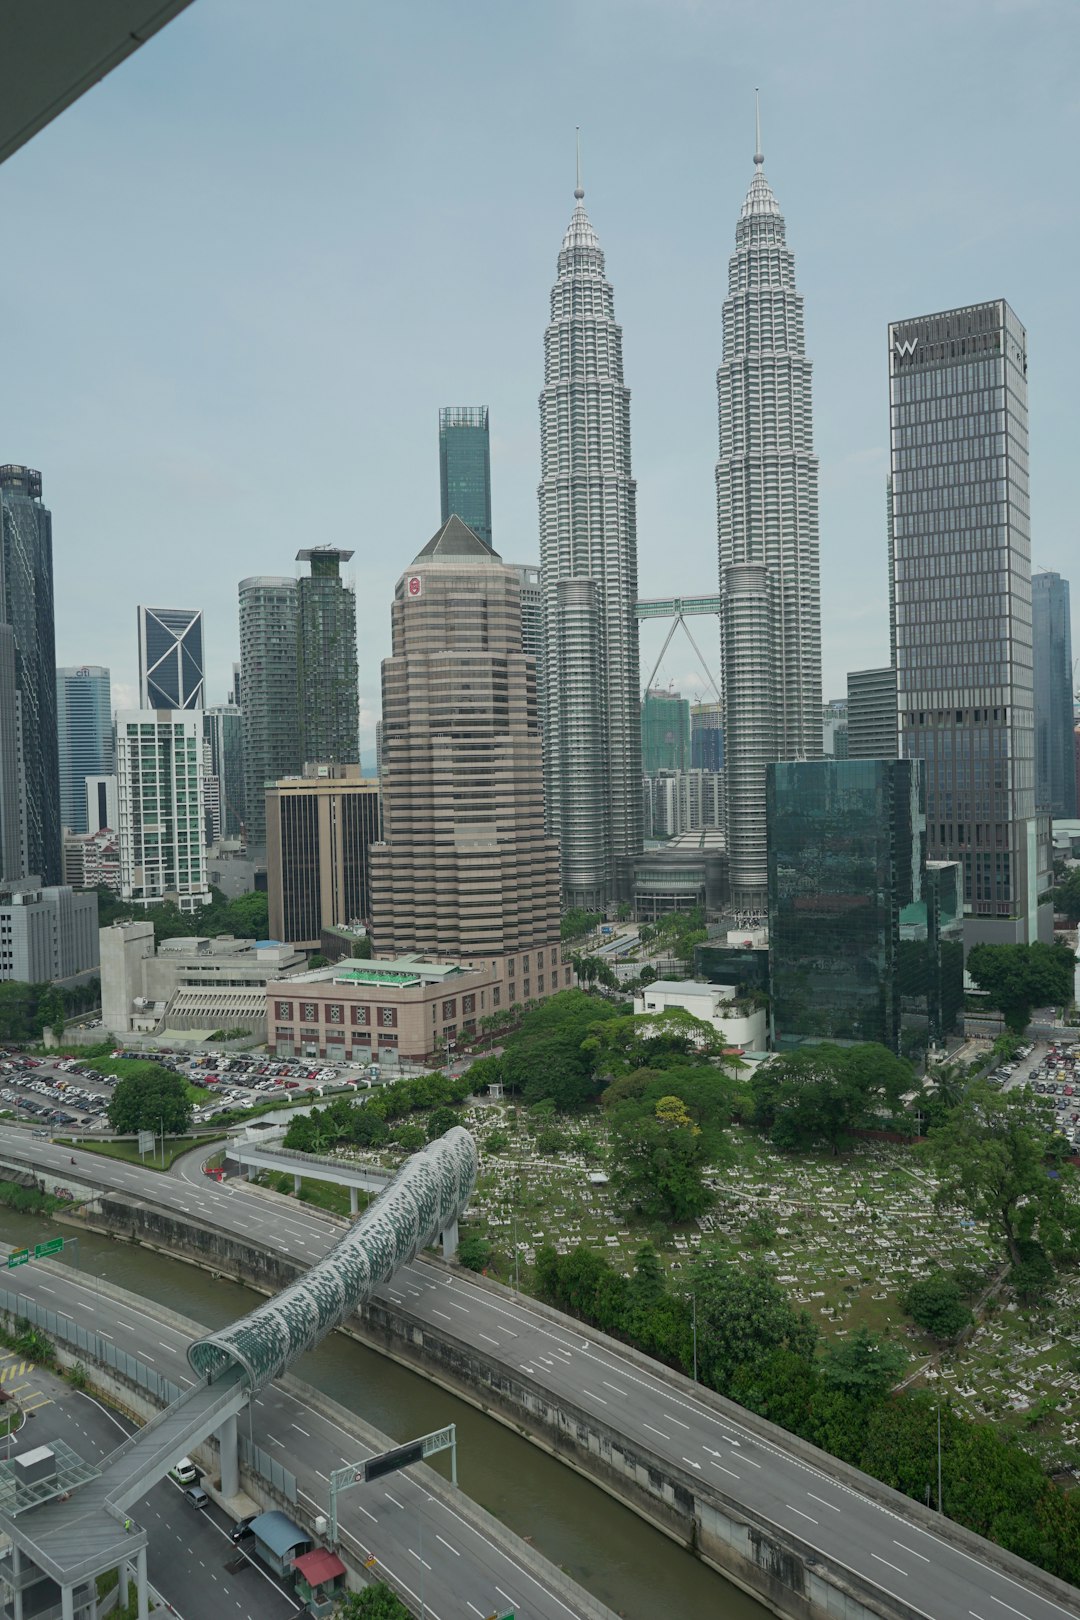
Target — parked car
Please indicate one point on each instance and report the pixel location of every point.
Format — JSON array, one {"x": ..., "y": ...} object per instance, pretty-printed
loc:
[{"x": 242, "y": 1528}]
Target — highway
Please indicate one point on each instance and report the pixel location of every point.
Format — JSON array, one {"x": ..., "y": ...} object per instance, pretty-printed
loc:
[{"x": 858, "y": 1533}]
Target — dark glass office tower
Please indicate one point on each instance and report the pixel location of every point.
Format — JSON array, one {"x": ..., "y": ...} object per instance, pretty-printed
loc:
[
  {"x": 26, "y": 605},
  {"x": 85, "y": 733},
  {"x": 170, "y": 658},
  {"x": 269, "y": 614},
  {"x": 1055, "y": 773},
  {"x": 465, "y": 467},
  {"x": 326, "y": 668},
  {"x": 962, "y": 579}
]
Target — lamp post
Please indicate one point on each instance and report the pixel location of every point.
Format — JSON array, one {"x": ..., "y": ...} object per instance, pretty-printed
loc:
[
  {"x": 693, "y": 1323},
  {"x": 939, "y": 1507}
]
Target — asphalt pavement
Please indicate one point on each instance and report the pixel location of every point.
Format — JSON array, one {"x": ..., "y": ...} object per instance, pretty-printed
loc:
[{"x": 855, "y": 1531}]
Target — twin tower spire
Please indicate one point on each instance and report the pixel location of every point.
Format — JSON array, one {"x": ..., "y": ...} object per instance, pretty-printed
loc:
[{"x": 767, "y": 527}]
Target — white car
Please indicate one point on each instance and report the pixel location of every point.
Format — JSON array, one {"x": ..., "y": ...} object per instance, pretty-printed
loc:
[{"x": 185, "y": 1472}]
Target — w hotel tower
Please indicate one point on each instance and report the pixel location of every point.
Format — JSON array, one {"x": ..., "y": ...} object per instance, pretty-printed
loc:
[{"x": 961, "y": 572}]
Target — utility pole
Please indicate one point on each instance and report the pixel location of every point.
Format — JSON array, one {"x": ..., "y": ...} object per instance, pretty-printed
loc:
[
  {"x": 939, "y": 1507},
  {"x": 693, "y": 1319}
]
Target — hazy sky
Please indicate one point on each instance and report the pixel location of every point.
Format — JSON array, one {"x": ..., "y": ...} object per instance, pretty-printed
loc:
[{"x": 240, "y": 277}]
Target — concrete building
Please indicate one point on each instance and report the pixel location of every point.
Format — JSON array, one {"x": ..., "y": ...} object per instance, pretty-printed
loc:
[
  {"x": 102, "y": 802},
  {"x": 159, "y": 770},
  {"x": 767, "y": 521},
  {"x": 683, "y": 801},
  {"x": 84, "y": 737},
  {"x": 47, "y": 933},
  {"x": 92, "y": 860},
  {"x": 834, "y": 729},
  {"x": 871, "y": 714},
  {"x": 187, "y": 985},
  {"x": 326, "y": 670},
  {"x": 28, "y": 677},
  {"x": 320, "y": 829},
  {"x": 1051, "y": 624},
  {"x": 961, "y": 547},
  {"x": 269, "y": 609},
  {"x": 588, "y": 559},
  {"x": 223, "y": 729},
  {"x": 466, "y": 869},
  {"x": 741, "y": 1023},
  {"x": 171, "y": 658},
  {"x": 408, "y": 1009}
]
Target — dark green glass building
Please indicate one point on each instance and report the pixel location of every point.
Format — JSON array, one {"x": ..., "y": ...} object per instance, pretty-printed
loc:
[
  {"x": 864, "y": 939},
  {"x": 465, "y": 467}
]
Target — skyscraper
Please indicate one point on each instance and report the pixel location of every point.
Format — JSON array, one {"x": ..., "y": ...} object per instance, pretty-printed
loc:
[
  {"x": 320, "y": 828},
  {"x": 85, "y": 737},
  {"x": 588, "y": 562},
  {"x": 962, "y": 578},
  {"x": 871, "y": 714},
  {"x": 1055, "y": 778},
  {"x": 326, "y": 673},
  {"x": 26, "y": 607},
  {"x": 466, "y": 869},
  {"x": 465, "y": 467},
  {"x": 159, "y": 770},
  {"x": 171, "y": 658},
  {"x": 223, "y": 729},
  {"x": 665, "y": 732},
  {"x": 767, "y": 517},
  {"x": 707, "y": 736},
  {"x": 269, "y": 613}
]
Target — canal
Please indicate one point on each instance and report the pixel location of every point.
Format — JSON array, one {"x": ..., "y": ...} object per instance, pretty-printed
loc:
[{"x": 628, "y": 1565}]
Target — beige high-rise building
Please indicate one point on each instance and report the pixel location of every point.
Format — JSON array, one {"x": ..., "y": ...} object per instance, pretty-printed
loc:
[
  {"x": 466, "y": 870},
  {"x": 319, "y": 831}
]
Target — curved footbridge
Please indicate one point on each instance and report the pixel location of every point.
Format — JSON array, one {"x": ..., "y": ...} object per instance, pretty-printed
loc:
[{"x": 73, "y": 1540}]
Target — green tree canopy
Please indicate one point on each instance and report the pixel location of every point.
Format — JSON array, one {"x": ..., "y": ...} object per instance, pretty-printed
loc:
[
  {"x": 992, "y": 1158},
  {"x": 820, "y": 1094},
  {"x": 1018, "y": 978},
  {"x": 376, "y": 1602},
  {"x": 577, "y": 923},
  {"x": 651, "y": 1040},
  {"x": 864, "y": 1366},
  {"x": 743, "y": 1314},
  {"x": 1067, "y": 894},
  {"x": 658, "y": 1163},
  {"x": 936, "y": 1304},
  {"x": 151, "y": 1099}
]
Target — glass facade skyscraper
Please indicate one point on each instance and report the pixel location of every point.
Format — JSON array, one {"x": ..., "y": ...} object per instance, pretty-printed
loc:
[
  {"x": 1055, "y": 774},
  {"x": 588, "y": 565},
  {"x": 326, "y": 667},
  {"x": 871, "y": 714},
  {"x": 465, "y": 467},
  {"x": 85, "y": 737},
  {"x": 665, "y": 732},
  {"x": 223, "y": 729},
  {"x": 767, "y": 521},
  {"x": 847, "y": 882},
  {"x": 269, "y": 615},
  {"x": 171, "y": 658},
  {"x": 26, "y": 606},
  {"x": 961, "y": 559}
]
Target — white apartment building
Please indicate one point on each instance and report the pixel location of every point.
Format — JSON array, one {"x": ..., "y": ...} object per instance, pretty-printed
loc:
[{"x": 159, "y": 772}]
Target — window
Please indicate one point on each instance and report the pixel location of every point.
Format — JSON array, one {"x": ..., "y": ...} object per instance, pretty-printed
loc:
[
  {"x": 468, "y": 1005},
  {"x": 387, "y": 1017},
  {"x": 284, "y": 1009},
  {"x": 449, "y": 1009},
  {"x": 361, "y": 1015},
  {"x": 335, "y": 1012},
  {"x": 309, "y": 1012},
  {"x": 496, "y": 995}
]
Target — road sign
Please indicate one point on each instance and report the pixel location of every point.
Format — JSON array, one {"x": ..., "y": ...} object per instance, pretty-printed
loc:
[
  {"x": 54, "y": 1246},
  {"x": 387, "y": 1462},
  {"x": 146, "y": 1141},
  {"x": 17, "y": 1257}
]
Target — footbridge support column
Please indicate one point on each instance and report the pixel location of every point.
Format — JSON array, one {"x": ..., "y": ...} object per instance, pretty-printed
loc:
[
  {"x": 140, "y": 1582},
  {"x": 230, "y": 1462},
  {"x": 450, "y": 1241},
  {"x": 354, "y": 1203},
  {"x": 124, "y": 1584}
]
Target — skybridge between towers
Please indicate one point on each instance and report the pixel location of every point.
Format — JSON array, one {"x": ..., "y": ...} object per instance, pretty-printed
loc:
[
  {"x": 74, "y": 1526},
  {"x": 678, "y": 609}
]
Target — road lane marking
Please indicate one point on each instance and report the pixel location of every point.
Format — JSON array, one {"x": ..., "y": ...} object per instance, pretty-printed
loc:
[
  {"x": 832, "y": 1505},
  {"x": 322, "y": 1475},
  {"x": 660, "y": 1432},
  {"x": 443, "y": 1314},
  {"x": 673, "y": 1419},
  {"x": 454, "y": 1306},
  {"x": 924, "y": 1558},
  {"x": 593, "y": 1397},
  {"x": 724, "y": 1470},
  {"x": 692, "y": 1463},
  {"x": 447, "y": 1544},
  {"x": 490, "y": 1340},
  {"x": 299, "y": 1430},
  {"x": 274, "y": 1438},
  {"x": 885, "y": 1561},
  {"x": 513, "y": 1602},
  {"x": 1008, "y": 1606},
  {"x": 803, "y": 1515},
  {"x": 615, "y": 1387},
  {"x": 393, "y": 1499},
  {"x": 419, "y": 1560}
]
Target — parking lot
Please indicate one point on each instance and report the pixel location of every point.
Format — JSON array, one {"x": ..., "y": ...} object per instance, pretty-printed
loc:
[
  {"x": 1050, "y": 1070},
  {"x": 68, "y": 1093}
]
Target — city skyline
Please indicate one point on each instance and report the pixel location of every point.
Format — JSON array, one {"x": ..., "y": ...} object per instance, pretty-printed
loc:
[{"x": 251, "y": 341}]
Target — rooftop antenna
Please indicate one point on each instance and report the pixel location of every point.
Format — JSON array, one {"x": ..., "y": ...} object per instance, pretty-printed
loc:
[
  {"x": 759, "y": 156},
  {"x": 579, "y": 191}
]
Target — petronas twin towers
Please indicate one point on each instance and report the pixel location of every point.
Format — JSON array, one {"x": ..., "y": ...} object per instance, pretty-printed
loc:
[{"x": 767, "y": 515}]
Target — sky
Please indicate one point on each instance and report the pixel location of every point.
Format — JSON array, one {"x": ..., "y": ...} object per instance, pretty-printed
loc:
[{"x": 241, "y": 275}]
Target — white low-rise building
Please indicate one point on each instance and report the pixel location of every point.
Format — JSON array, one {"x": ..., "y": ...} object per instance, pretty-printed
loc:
[
  {"x": 188, "y": 984},
  {"x": 714, "y": 1004}
]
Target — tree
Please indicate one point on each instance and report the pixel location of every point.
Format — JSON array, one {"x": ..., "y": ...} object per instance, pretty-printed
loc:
[
  {"x": 863, "y": 1367},
  {"x": 823, "y": 1093},
  {"x": 649, "y": 1040},
  {"x": 441, "y": 1120},
  {"x": 50, "y": 1012},
  {"x": 150, "y": 1100},
  {"x": 475, "y": 1252},
  {"x": 1018, "y": 978},
  {"x": 376, "y": 1602},
  {"x": 936, "y": 1304},
  {"x": 577, "y": 923},
  {"x": 743, "y": 1314},
  {"x": 991, "y": 1159},
  {"x": 1067, "y": 895},
  {"x": 657, "y": 1165}
]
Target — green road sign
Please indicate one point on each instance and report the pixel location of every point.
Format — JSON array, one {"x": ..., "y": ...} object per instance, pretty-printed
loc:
[
  {"x": 17, "y": 1257},
  {"x": 54, "y": 1246}
]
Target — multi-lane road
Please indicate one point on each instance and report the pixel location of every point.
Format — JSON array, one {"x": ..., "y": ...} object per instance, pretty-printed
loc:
[{"x": 855, "y": 1531}]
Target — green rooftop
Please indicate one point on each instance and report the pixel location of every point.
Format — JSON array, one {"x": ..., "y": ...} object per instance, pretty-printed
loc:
[{"x": 402, "y": 971}]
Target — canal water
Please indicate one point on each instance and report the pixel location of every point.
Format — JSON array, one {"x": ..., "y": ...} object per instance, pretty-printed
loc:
[{"x": 628, "y": 1565}]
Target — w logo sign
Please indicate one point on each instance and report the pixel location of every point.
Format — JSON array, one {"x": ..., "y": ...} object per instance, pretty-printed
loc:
[{"x": 906, "y": 348}]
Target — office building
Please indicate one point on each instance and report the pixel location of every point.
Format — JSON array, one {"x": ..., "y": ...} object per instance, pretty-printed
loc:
[
  {"x": 102, "y": 805},
  {"x": 767, "y": 519},
  {"x": 84, "y": 736},
  {"x": 466, "y": 868},
  {"x": 159, "y": 773},
  {"x": 223, "y": 729},
  {"x": 171, "y": 658},
  {"x": 847, "y": 873},
  {"x": 48, "y": 933},
  {"x": 319, "y": 832},
  {"x": 834, "y": 729},
  {"x": 707, "y": 736},
  {"x": 871, "y": 714},
  {"x": 187, "y": 983},
  {"x": 269, "y": 615},
  {"x": 1051, "y": 626},
  {"x": 92, "y": 860},
  {"x": 683, "y": 801},
  {"x": 326, "y": 670},
  {"x": 211, "y": 798},
  {"x": 588, "y": 562},
  {"x": 962, "y": 578},
  {"x": 28, "y": 674},
  {"x": 665, "y": 732},
  {"x": 465, "y": 467}
]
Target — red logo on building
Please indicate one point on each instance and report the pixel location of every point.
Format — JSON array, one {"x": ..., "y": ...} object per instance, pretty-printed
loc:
[{"x": 414, "y": 585}]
